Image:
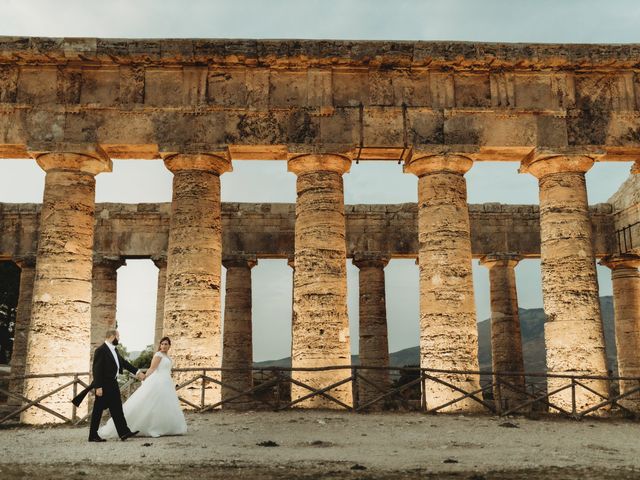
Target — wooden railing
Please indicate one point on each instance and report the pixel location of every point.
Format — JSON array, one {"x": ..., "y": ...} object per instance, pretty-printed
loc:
[{"x": 271, "y": 390}]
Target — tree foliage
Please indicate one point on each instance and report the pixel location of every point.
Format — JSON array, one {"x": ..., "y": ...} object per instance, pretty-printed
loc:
[
  {"x": 145, "y": 357},
  {"x": 122, "y": 350}
]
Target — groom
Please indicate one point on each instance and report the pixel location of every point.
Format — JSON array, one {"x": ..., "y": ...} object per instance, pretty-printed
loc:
[{"x": 107, "y": 363}]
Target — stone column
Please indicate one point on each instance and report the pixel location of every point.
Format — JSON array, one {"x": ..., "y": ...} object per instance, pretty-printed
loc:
[
  {"x": 448, "y": 330},
  {"x": 60, "y": 332},
  {"x": 104, "y": 300},
  {"x": 160, "y": 262},
  {"x": 320, "y": 330},
  {"x": 237, "y": 344},
  {"x": 194, "y": 256},
  {"x": 506, "y": 340},
  {"x": 626, "y": 305},
  {"x": 374, "y": 346},
  {"x": 574, "y": 335},
  {"x": 21, "y": 332}
]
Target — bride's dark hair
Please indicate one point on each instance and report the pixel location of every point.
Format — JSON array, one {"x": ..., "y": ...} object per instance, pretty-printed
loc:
[{"x": 164, "y": 339}]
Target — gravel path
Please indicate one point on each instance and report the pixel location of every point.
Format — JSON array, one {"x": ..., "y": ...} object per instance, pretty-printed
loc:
[{"x": 313, "y": 444}]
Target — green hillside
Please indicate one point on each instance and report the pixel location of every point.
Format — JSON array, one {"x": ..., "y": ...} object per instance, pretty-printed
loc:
[{"x": 532, "y": 329}]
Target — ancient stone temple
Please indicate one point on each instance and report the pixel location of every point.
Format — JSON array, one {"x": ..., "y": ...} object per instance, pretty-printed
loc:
[{"x": 321, "y": 107}]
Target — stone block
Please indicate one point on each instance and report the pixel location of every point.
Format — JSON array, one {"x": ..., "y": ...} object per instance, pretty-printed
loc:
[
  {"x": 319, "y": 90},
  {"x": 350, "y": 88},
  {"x": 425, "y": 126},
  {"x": 38, "y": 86},
  {"x": 288, "y": 88},
  {"x": 534, "y": 92},
  {"x": 411, "y": 88},
  {"x": 472, "y": 90},
  {"x": 463, "y": 128},
  {"x": 100, "y": 86},
  {"x": 383, "y": 126},
  {"x": 342, "y": 127},
  {"x": 163, "y": 87},
  {"x": 227, "y": 87},
  {"x": 381, "y": 91},
  {"x": 8, "y": 83}
]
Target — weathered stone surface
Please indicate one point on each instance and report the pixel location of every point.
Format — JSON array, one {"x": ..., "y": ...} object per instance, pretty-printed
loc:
[
  {"x": 104, "y": 298},
  {"x": 267, "y": 229},
  {"x": 265, "y": 99},
  {"x": 138, "y": 97},
  {"x": 61, "y": 311},
  {"x": 506, "y": 340},
  {"x": 22, "y": 327},
  {"x": 448, "y": 332},
  {"x": 160, "y": 261},
  {"x": 320, "y": 330},
  {"x": 194, "y": 255},
  {"x": 573, "y": 333},
  {"x": 374, "y": 344},
  {"x": 237, "y": 341},
  {"x": 626, "y": 303}
]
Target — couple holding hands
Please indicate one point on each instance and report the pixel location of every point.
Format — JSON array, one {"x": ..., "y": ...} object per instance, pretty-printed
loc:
[{"x": 153, "y": 410}]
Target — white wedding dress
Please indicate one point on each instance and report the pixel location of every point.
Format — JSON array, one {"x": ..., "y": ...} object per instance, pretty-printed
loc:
[{"x": 153, "y": 409}]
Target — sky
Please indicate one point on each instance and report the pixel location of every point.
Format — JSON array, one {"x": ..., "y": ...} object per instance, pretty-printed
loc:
[{"x": 541, "y": 21}]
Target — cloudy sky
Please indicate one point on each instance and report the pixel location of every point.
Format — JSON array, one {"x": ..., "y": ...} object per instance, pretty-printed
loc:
[{"x": 567, "y": 21}]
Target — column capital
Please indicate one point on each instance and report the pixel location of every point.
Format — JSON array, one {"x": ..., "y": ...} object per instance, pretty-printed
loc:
[
  {"x": 545, "y": 162},
  {"x": 621, "y": 262},
  {"x": 307, "y": 163},
  {"x": 239, "y": 260},
  {"x": 160, "y": 261},
  {"x": 217, "y": 163},
  {"x": 500, "y": 259},
  {"x": 426, "y": 163},
  {"x": 86, "y": 159},
  {"x": 113, "y": 262},
  {"x": 370, "y": 260}
]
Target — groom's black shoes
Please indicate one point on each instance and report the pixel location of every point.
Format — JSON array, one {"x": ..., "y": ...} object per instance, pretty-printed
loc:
[
  {"x": 96, "y": 439},
  {"x": 129, "y": 435}
]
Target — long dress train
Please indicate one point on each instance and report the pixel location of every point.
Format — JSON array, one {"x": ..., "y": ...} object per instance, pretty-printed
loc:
[{"x": 153, "y": 409}]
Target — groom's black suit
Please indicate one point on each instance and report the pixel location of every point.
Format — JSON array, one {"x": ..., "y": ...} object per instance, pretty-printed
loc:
[{"x": 104, "y": 376}]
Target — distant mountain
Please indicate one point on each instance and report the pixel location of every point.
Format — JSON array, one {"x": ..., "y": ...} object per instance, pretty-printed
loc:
[{"x": 532, "y": 329}]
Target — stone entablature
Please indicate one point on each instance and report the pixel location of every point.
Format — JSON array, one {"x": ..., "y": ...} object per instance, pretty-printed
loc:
[
  {"x": 263, "y": 99},
  {"x": 267, "y": 229}
]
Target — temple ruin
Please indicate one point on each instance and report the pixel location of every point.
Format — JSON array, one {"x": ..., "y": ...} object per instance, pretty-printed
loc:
[{"x": 73, "y": 105}]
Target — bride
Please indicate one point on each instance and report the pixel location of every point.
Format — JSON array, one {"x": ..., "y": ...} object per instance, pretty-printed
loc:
[{"x": 153, "y": 409}]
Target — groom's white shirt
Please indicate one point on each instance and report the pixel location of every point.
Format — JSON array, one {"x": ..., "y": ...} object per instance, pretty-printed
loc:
[{"x": 115, "y": 356}]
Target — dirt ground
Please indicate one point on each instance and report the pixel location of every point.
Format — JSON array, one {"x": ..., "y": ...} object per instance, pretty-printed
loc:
[{"x": 335, "y": 445}]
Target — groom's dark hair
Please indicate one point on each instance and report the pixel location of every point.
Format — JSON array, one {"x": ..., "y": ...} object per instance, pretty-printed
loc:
[{"x": 110, "y": 333}]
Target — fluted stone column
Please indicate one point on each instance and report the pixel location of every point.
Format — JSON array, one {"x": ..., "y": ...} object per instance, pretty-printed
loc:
[
  {"x": 161, "y": 263},
  {"x": 320, "y": 330},
  {"x": 506, "y": 339},
  {"x": 237, "y": 344},
  {"x": 374, "y": 346},
  {"x": 448, "y": 330},
  {"x": 574, "y": 335},
  {"x": 194, "y": 256},
  {"x": 104, "y": 301},
  {"x": 626, "y": 304},
  {"x": 21, "y": 332},
  {"x": 60, "y": 332}
]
